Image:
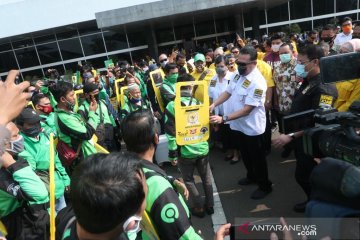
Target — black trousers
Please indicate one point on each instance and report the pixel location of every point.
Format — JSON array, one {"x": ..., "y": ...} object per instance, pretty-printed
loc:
[
  {"x": 252, "y": 150},
  {"x": 226, "y": 136},
  {"x": 267, "y": 134},
  {"x": 304, "y": 166}
]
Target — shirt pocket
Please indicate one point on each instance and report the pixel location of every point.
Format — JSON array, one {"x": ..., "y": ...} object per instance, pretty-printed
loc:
[{"x": 241, "y": 94}]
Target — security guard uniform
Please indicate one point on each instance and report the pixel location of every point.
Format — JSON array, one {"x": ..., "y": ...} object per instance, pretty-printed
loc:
[
  {"x": 312, "y": 94},
  {"x": 248, "y": 130}
]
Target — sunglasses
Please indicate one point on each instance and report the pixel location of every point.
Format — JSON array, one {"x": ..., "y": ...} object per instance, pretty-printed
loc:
[
  {"x": 163, "y": 60},
  {"x": 241, "y": 64}
]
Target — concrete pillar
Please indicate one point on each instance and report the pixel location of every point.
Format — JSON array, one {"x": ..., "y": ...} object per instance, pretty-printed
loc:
[
  {"x": 152, "y": 43},
  {"x": 255, "y": 23},
  {"x": 239, "y": 24}
]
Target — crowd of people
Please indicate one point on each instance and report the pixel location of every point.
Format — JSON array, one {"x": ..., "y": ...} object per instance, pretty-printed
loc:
[{"x": 251, "y": 88}]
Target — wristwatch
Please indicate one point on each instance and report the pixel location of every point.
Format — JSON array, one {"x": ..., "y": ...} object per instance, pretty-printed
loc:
[
  {"x": 292, "y": 135},
  {"x": 225, "y": 119}
]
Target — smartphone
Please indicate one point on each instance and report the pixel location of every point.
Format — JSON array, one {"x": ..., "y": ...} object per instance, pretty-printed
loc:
[{"x": 340, "y": 67}]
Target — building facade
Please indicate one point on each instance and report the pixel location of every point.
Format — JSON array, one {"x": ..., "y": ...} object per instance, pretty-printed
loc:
[{"x": 66, "y": 33}]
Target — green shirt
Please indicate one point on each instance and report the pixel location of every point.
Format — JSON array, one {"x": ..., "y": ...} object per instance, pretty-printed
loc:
[
  {"x": 74, "y": 130},
  {"x": 84, "y": 111},
  {"x": 37, "y": 154},
  {"x": 48, "y": 123}
]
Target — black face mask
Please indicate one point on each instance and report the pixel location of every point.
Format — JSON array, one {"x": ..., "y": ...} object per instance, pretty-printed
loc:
[
  {"x": 33, "y": 131},
  {"x": 241, "y": 69},
  {"x": 327, "y": 39}
]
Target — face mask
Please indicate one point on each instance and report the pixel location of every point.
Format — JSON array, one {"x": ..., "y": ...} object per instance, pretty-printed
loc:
[
  {"x": 16, "y": 146},
  {"x": 33, "y": 131},
  {"x": 327, "y": 39},
  {"x": 47, "y": 109},
  {"x": 220, "y": 70},
  {"x": 300, "y": 70},
  {"x": 163, "y": 64},
  {"x": 275, "y": 47},
  {"x": 69, "y": 105},
  {"x": 134, "y": 100},
  {"x": 347, "y": 29},
  {"x": 285, "y": 58},
  {"x": 173, "y": 77}
]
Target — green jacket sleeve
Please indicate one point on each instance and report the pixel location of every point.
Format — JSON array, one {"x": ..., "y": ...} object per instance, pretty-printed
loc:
[
  {"x": 29, "y": 158},
  {"x": 170, "y": 131},
  {"x": 30, "y": 183}
]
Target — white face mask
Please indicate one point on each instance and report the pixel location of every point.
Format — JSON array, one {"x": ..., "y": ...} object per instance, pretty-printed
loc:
[{"x": 275, "y": 47}]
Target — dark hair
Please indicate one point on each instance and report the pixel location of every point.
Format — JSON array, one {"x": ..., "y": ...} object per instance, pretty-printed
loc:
[
  {"x": 61, "y": 89},
  {"x": 260, "y": 46},
  {"x": 249, "y": 50},
  {"x": 37, "y": 97},
  {"x": 209, "y": 50},
  {"x": 185, "y": 78},
  {"x": 138, "y": 130},
  {"x": 106, "y": 190},
  {"x": 219, "y": 59},
  {"x": 345, "y": 19},
  {"x": 235, "y": 48},
  {"x": 287, "y": 44},
  {"x": 278, "y": 35},
  {"x": 122, "y": 63},
  {"x": 312, "y": 51},
  {"x": 313, "y": 32},
  {"x": 268, "y": 42},
  {"x": 168, "y": 67},
  {"x": 330, "y": 27},
  {"x": 180, "y": 55}
]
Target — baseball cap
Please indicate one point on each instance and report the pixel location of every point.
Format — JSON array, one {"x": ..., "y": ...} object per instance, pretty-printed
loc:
[
  {"x": 199, "y": 57},
  {"x": 28, "y": 115}
]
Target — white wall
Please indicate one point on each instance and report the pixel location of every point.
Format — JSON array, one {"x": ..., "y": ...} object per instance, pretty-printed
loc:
[{"x": 24, "y": 16}]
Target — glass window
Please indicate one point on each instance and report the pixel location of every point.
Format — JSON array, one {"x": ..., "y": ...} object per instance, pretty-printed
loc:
[
  {"x": 320, "y": 23},
  {"x": 185, "y": 32},
  {"x": 352, "y": 16},
  {"x": 115, "y": 40},
  {"x": 225, "y": 25},
  {"x": 247, "y": 19},
  {"x": 346, "y": 5},
  {"x": 276, "y": 29},
  {"x": 44, "y": 39},
  {"x": 48, "y": 53},
  {"x": 88, "y": 27},
  {"x": 300, "y": 9},
  {"x": 32, "y": 75},
  {"x": 93, "y": 44},
  {"x": 70, "y": 48},
  {"x": 137, "y": 38},
  {"x": 71, "y": 67},
  {"x": 139, "y": 54},
  {"x": 164, "y": 35},
  {"x": 305, "y": 26},
  {"x": 97, "y": 62},
  {"x": 204, "y": 28},
  {"x": 23, "y": 43},
  {"x": 68, "y": 34},
  {"x": 59, "y": 68},
  {"x": 321, "y": 7},
  {"x": 5, "y": 47},
  {"x": 204, "y": 44},
  {"x": 120, "y": 57},
  {"x": 27, "y": 57},
  {"x": 278, "y": 14},
  {"x": 7, "y": 61}
]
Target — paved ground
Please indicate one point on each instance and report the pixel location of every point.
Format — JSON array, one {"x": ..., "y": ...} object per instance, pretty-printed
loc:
[{"x": 235, "y": 199}]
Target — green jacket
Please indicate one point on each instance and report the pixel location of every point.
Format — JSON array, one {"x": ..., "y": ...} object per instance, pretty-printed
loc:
[
  {"x": 167, "y": 91},
  {"x": 74, "y": 130},
  {"x": 48, "y": 123},
  {"x": 84, "y": 111},
  {"x": 142, "y": 85},
  {"x": 130, "y": 107},
  {"x": 187, "y": 151},
  {"x": 162, "y": 197},
  {"x": 37, "y": 154},
  {"x": 19, "y": 183}
]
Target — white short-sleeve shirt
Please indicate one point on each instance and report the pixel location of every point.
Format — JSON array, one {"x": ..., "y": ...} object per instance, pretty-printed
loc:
[
  {"x": 341, "y": 38},
  {"x": 248, "y": 90},
  {"x": 216, "y": 88}
]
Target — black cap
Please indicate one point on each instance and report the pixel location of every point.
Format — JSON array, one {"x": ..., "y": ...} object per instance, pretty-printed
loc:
[
  {"x": 28, "y": 115},
  {"x": 89, "y": 87}
]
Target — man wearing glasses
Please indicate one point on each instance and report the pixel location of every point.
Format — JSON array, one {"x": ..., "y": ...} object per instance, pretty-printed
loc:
[{"x": 246, "y": 93}]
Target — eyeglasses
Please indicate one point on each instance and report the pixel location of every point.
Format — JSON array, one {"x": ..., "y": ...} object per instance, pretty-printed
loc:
[
  {"x": 241, "y": 64},
  {"x": 235, "y": 52},
  {"x": 163, "y": 60},
  {"x": 136, "y": 227}
]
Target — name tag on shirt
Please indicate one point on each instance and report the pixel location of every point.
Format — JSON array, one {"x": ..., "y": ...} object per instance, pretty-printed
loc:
[
  {"x": 246, "y": 84},
  {"x": 236, "y": 78}
]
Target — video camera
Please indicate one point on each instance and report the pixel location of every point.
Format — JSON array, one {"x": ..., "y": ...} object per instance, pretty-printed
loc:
[{"x": 328, "y": 133}]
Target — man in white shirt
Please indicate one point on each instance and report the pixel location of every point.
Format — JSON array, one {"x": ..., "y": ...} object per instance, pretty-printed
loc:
[
  {"x": 248, "y": 119},
  {"x": 346, "y": 34}
]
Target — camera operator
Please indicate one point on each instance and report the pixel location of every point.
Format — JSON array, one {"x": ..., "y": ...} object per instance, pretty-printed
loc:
[{"x": 311, "y": 95}]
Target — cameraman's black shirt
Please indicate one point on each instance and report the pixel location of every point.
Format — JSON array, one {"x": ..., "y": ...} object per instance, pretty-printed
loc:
[{"x": 313, "y": 94}]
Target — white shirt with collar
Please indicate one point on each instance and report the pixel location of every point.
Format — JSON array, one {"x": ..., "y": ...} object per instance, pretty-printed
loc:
[
  {"x": 248, "y": 90},
  {"x": 342, "y": 38},
  {"x": 216, "y": 88}
]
